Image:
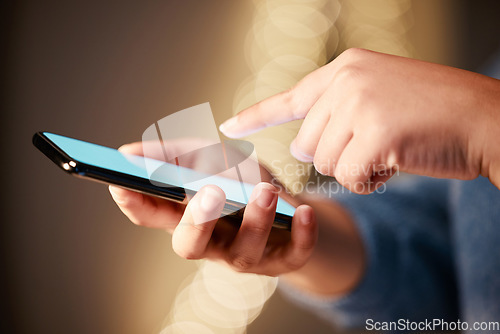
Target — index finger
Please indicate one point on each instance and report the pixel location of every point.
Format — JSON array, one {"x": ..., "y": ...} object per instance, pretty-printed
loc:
[{"x": 286, "y": 106}]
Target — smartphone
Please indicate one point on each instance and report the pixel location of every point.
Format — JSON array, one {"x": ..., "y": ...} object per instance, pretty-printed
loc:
[{"x": 107, "y": 165}]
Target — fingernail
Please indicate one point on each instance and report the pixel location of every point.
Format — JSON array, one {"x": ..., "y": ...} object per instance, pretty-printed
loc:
[
  {"x": 207, "y": 206},
  {"x": 115, "y": 193},
  {"x": 307, "y": 217},
  {"x": 263, "y": 195},
  {"x": 123, "y": 148},
  {"x": 210, "y": 200},
  {"x": 297, "y": 154},
  {"x": 227, "y": 125}
]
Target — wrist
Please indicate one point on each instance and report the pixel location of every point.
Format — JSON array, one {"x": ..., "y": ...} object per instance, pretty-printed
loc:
[
  {"x": 488, "y": 131},
  {"x": 337, "y": 264}
]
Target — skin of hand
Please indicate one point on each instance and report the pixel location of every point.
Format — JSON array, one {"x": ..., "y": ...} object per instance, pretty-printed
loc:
[
  {"x": 330, "y": 264},
  {"x": 368, "y": 114}
]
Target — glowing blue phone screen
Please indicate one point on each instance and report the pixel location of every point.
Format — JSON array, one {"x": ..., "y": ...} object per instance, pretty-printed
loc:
[{"x": 109, "y": 158}]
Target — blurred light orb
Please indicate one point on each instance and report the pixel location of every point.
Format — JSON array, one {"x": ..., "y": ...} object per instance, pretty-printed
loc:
[
  {"x": 195, "y": 304},
  {"x": 255, "y": 289},
  {"x": 187, "y": 327},
  {"x": 300, "y": 21},
  {"x": 381, "y": 9}
]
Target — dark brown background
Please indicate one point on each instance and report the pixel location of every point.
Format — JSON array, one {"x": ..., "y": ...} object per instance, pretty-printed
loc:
[{"x": 105, "y": 71}]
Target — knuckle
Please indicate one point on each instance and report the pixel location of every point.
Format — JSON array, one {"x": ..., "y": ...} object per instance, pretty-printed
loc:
[
  {"x": 348, "y": 75},
  {"x": 127, "y": 202},
  {"x": 306, "y": 246},
  {"x": 352, "y": 71},
  {"x": 323, "y": 165},
  {"x": 294, "y": 101},
  {"x": 292, "y": 263},
  {"x": 256, "y": 231},
  {"x": 394, "y": 158},
  {"x": 345, "y": 175},
  {"x": 366, "y": 97},
  {"x": 261, "y": 110},
  {"x": 185, "y": 253},
  {"x": 241, "y": 262},
  {"x": 202, "y": 228},
  {"x": 139, "y": 222},
  {"x": 355, "y": 180},
  {"x": 184, "y": 250},
  {"x": 356, "y": 51},
  {"x": 353, "y": 54},
  {"x": 302, "y": 144},
  {"x": 287, "y": 95}
]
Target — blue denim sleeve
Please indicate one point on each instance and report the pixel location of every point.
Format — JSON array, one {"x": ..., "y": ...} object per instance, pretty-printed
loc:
[{"x": 409, "y": 272}]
